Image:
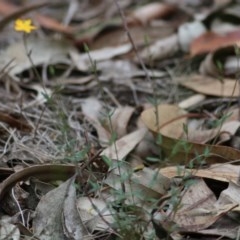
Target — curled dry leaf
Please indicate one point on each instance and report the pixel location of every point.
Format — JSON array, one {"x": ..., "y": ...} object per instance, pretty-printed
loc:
[
  {"x": 120, "y": 119},
  {"x": 48, "y": 172},
  {"x": 228, "y": 130},
  {"x": 92, "y": 109},
  {"x": 72, "y": 222},
  {"x": 170, "y": 126},
  {"x": 225, "y": 57},
  {"x": 208, "y": 67}
]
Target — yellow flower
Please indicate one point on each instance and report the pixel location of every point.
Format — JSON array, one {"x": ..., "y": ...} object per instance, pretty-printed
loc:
[{"x": 24, "y": 25}]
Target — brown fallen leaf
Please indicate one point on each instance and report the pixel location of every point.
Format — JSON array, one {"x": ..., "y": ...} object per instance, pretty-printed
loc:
[
  {"x": 15, "y": 121},
  {"x": 211, "y": 86},
  {"x": 52, "y": 24},
  {"x": 201, "y": 218},
  {"x": 197, "y": 209},
  {"x": 195, "y": 202},
  {"x": 166, "y": 118},
  {"x": 176, "y": 148},
  {"x": 219, "y": 172},
  {"x": 211, "y": 41}
]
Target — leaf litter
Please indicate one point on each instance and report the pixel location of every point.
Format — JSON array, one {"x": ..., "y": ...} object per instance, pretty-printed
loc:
[{"x": 118, "y": 120}]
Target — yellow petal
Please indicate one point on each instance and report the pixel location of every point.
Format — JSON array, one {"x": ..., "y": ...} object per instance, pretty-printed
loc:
[{"x": 24, "y": 25}]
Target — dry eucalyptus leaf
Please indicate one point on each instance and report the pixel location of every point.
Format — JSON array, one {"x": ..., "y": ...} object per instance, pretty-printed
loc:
[
  {"x": 74, "y": 227},
  {"x": 47, "y": 223},
  {"x": 120, "y": 119},
  {"x": 42, "y": 51},
  {"x": 201, "y": 136},
  {"x": 211, "y": 86},
  {"x": 228, "y": 130},
  {"x": 56, "y": 214},
  {"x": 140, "y": 186},
  {"x": 196, "y": 210},
  {"x": 87, "y": 60},
  {"x": 92, "y": 109},
  {"x": 161, "y": 49},
  {"x": 152, "y": 11},
  {"x": 123, "y": 146},
  {"x": 170, "y": 124},
  {"x": 160, "y": 119},
  {"x": 230, "y": 195},
  {"x": 93, "y": 211},
  {"x": 8, "y": 230},
  {"x": 218, "y": 172}
]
